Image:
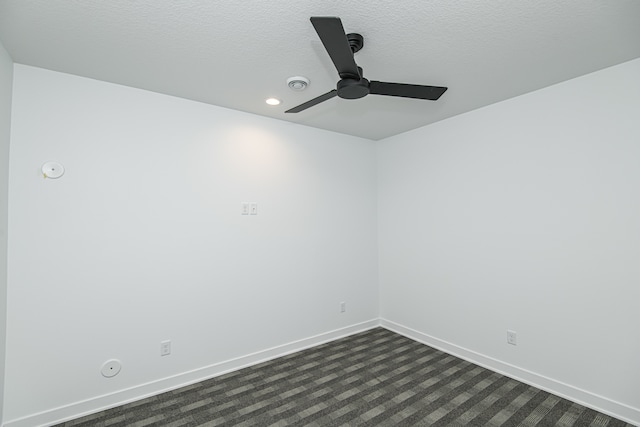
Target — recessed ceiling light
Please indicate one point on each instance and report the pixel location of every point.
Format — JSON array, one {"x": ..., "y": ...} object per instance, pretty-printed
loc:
[{"x": 273, "y": 101}]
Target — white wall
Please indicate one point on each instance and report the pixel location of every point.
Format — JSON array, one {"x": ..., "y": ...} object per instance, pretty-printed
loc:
[
  {"x": 6, "y": 82},
  {"x": 142, "y": 240},
  {"x": 524, "y": 215}
]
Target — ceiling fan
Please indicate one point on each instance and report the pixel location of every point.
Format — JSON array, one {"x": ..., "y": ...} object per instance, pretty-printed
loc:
[{"x": 352, "y": 85}]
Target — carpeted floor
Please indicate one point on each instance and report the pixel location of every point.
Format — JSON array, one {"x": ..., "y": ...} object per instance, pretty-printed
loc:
[{"x": 375, "y": 378}]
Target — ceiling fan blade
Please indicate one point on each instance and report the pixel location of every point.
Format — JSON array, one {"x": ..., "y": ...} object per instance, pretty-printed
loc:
[
  {"x": 431, "y": 93},
  {"x": 313, "y": 102},
  {"x": 335, "y": 42}
]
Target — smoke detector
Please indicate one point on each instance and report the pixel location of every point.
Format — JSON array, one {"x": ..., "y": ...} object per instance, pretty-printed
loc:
[{"x": 298, "y": 83}]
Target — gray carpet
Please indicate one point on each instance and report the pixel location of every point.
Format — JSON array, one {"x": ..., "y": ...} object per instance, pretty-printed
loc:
[{"x": 375, "y": 378}]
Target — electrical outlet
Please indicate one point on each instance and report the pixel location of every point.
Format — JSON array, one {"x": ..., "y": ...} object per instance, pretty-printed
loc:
[
  {"x": 165, "y": 348},
  {"x": 343, "y": 307},
  {"x": 511, "y": 337},
  {"x": 244, "y": 208}
]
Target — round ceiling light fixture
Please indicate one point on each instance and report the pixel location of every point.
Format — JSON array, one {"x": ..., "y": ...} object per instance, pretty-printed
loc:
[
  {"x": 298, "y": 83},
  {"x": 273, "y": 101}
]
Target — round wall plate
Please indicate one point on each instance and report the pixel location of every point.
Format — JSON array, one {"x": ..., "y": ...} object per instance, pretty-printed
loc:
[
  {"x": 52, "y": 170},
  {"x": 111, "y": 368}
]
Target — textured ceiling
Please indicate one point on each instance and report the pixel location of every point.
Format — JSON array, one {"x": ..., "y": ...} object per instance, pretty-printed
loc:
[{"x": 235, "y": 54}]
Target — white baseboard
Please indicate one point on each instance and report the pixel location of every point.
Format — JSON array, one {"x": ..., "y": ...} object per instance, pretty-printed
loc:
[
  {"x": 101, "y": 403},
  {"x": 599, "y": 403},
  {"x": 602, "y": 404}
]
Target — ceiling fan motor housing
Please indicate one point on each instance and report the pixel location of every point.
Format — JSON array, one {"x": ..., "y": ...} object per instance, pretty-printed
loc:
[{"x": 353, "y": 88}]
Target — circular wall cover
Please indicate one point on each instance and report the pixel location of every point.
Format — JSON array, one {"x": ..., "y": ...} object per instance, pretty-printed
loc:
[
  {"x": 52, "y": 170},
  {"x": 110, "y": 368}
]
